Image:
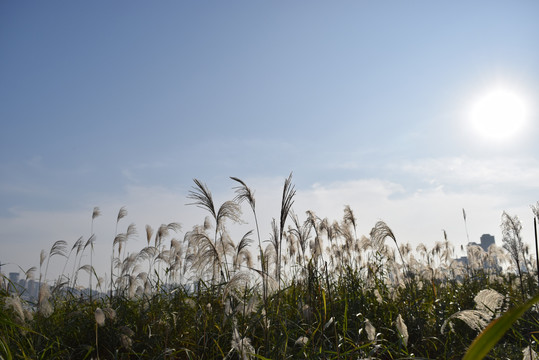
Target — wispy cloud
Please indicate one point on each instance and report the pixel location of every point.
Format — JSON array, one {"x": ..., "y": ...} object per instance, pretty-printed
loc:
[{"x": 478, "y": 173}]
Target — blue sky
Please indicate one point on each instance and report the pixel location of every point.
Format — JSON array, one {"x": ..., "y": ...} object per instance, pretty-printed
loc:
[{"x": 123, "y": 103}]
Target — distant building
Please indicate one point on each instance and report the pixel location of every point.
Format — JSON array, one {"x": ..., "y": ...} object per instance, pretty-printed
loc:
[
  {"x": 13, "y": 282},
  {"x": 486, "y": 241},
  {"x": 32, "y": 287}
]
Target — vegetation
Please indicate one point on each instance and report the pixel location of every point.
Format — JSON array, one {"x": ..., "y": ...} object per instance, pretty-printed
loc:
[{"x": 316, "y": 291}]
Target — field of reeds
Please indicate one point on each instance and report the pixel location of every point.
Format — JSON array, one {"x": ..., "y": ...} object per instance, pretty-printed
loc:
[{"x": 312, "y": 289}]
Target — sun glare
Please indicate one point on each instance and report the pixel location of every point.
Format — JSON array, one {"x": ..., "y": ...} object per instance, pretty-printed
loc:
[{"x": 499, "y": 114}]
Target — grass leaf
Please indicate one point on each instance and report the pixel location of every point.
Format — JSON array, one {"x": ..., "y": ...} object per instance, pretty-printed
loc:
[{"x": 495, "y": 330}]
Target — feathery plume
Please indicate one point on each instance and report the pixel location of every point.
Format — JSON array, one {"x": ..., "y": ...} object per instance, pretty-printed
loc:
[
  {"x": 14, "y": 302},
  {"x": 370, "y": 330},
  {"x": 121, "y": 214},
  {"x": 489, "y": 301},
  {"x": 99, "y": 317},
  {"x": 302, "y": 341},
  {"x": 475, "y": 319},
  {"x": 149, "y": 234},
  {"x": 242, "y": 345},
  {"x": 44, "y": 306},
  {"x": 96, "y": 212},
  {"x": 529, "y": 354},
  {"x": 402, "y": 329},
  {"x": 42, "y": 257}
]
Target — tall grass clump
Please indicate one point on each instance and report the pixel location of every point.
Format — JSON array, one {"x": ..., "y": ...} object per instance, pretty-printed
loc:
[{"x": 318, "y": 288}]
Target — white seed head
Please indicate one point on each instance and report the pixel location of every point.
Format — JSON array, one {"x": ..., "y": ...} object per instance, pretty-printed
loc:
[
  {"x": 99, "y": 317},
  {"x": 371, "y": 330},
  {"x": 402, "y": 329},
  {"x": 302, "y": 341}
]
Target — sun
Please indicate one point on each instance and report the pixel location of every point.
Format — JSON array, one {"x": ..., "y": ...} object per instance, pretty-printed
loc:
[{"x": 499, "y": 114}]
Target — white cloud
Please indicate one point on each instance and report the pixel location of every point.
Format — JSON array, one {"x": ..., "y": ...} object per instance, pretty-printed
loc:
[{"x": 480, "y": 173}]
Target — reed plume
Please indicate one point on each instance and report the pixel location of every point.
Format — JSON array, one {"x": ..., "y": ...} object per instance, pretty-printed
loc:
[
  {"x": 512, "y": 242},
  {"x": 287, "y": 201}
]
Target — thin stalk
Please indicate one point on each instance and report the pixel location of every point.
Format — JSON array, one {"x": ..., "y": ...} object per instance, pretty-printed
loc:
[{"x": 536, "y": 247}]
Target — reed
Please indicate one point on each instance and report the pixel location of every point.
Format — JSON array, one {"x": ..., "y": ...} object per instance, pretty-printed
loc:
[{"x": 318, "y": 290}]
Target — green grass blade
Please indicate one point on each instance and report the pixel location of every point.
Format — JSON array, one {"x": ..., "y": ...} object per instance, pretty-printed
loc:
[{"x": 485, "y": 341}]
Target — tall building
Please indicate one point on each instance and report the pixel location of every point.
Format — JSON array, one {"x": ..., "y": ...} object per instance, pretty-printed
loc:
[
  {"x": 486, "y": 241},
  {"x": 13, "y": 281}
]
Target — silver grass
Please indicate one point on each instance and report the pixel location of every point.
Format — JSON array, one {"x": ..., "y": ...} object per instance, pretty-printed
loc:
[
  {"x": 292, "y": 242},
  {"x": 302, "y": 341},
  {"x": 476, "y": 256},
  {"x": 99, "y": 317},
  {"x": 244, "y": 193},
  {"x": 239, "y": 280},
  {"x": 44, "y": 306},
  {"x": 89, "y": 242},
  {"x": 251, "y": 305},
  {"x": 242, "y": 345},
  {"x": 312, "y": 220},
  {"x": 207, "y": 254},
  {"x": 370, "y": 330},
  {"x": 447, "y": 250},
  {"x": 364, "y": 243},
  {"x": 421, "y": 249},
  {"x": 78, "y": 245},
  {"x": 143, "y": 276},
  {"x": 228, "y": 210},
  {"x": 29, "y": 274},
  {"x": 405, "y": 249},
  {"x": 202, "y": 197},
  {"x": 380, "y": 232},
  {"x": 58, "y": 248},
  {"x": 287, "y": 201},
  {"x": 110, "y": 313},
  {"x": 190, "y": 303},
  {"x": 126, "y": 341},
  {"x": 512, "y": 242},
  {"x": 121, "y": 214},
  {"x": 489, "y": 301},
  {"x": 46, "y": 309},
  {"x": 28, "y": 315},
  {"x": 14, "y": 303},
  {"x": 119, "y": 239},
  {"x": 402, "y": 329},
  {"x": 328, "y": 324},
  {"x": 207, "y": 223},
  {"x": 302, "y": 232},
  {"x": 164, "y": 255},
  {"x": 131, "y": 231},
  {"x": 476, "y": 319},
  {"x": 349, "y": 217},
  {"x": 274, "y": 243},
  {"x": 42, "y": 257},
  {"x": 96, "y": 212},
  {"x": 132, "y": 286},
  {"x": 307, "y": 313},
  {"x": 378, "y": 296},
  {"x": 147, "y": 253},
  {"x": 175, "y": 244},
  {"x": 149, "y": 234},
  {"x": 529, "y": 354},
  {"x": 87, "y": 268},
  {"x": 148, "y": 290},
  {"x": 44, "y": 293}
]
